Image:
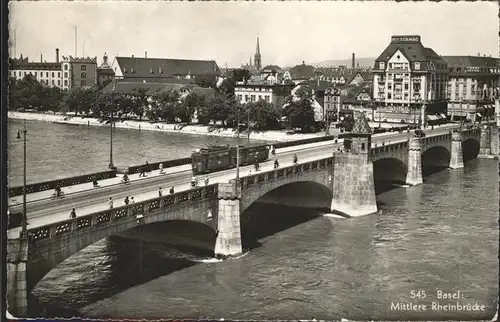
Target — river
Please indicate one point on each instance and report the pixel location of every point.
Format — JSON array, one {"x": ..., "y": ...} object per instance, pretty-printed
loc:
[{"x": 299, "y": 263}]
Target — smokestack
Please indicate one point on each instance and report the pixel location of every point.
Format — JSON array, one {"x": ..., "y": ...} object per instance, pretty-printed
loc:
[
  {"x": 57, "y": 55},
  {"x": 41, "y": 58},
  {"x": 145, "y": 54},
  {"x": 132, "y": 56},
  {"x": 353, "y": 60}
]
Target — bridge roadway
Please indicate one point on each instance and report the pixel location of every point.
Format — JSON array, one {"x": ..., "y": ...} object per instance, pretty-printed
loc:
[{"x": 45, "y": 211}]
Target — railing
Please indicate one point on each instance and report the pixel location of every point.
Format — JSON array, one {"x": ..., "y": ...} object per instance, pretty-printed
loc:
[
  {"x": 154, "y": 166},
  {"x": 48, "y": 185},
  {"x": 248, "y": 181},
  {"x": 101, "y": 218}
]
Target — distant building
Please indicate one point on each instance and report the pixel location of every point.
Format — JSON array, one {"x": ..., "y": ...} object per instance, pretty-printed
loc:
[
  {"x": 105, "y": 73},
  {"x": 142, "y": 69},
  {"x": 407, "y": 76},
  {"x": 300, "y": 73},
  {"x": 333, "y": 101},
  {"x": 49, "y": 74},
  {"x": 274, "y": 94},
  {"x": 79, "y": 72},
  {"x": 473, "y": 85},
  {"x": 70, "y": 72}
]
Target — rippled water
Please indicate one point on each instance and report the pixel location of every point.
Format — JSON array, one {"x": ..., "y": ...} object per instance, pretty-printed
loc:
[
  {"x": 62, "y": 150},
  {"x": 442, "y": 235}
]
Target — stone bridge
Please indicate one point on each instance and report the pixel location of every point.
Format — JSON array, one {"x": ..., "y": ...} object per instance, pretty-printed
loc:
[{"x": 349, "y": 176}]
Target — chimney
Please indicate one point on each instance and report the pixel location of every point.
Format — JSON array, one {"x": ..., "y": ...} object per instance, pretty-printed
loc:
[
  {"x": 57, "y": 55},
  {"x": 132, "y": 56},
  {"x": 41, "y": 58},
  {"x": 145, "y": 54},
  {"x": 303, "y": 62},
  {"x": 353, "y": 60}
]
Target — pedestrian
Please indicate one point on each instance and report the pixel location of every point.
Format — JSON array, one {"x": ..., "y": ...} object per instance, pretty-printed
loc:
[
  {"x": 276, "y": 164},
  {"x": 132, "y": 201},
  {"x": 161, "y": 168},
  {"x": 141, "y": 173},
  {"x": 172, "y": 190},
  {"x": 160, "y": 192},
  {"x": 110, "y": 202},
  {"x": 295, "y": 159},
  {"x": 206, "y": 180},
  {"x": 126, "y": 200},
  {"x": 73, "y": 214}
]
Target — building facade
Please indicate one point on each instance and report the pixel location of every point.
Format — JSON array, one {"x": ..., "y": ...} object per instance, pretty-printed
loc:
[
  {"x": 47, "y": 73},
  {"x": 409, "y": 81},
  {"x": 473, "y": 85},
  {"x": 66, "y": 74},
  {"x": 274, "y": 94}
]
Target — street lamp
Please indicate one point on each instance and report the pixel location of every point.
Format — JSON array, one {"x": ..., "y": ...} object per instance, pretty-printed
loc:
[
  {"x": 24, "y": 217},
  {"x": 111, "y": 165},
  {"x": 237, "y": 150}
]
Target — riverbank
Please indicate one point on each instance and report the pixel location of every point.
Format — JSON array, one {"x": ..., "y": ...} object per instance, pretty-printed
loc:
[{"x": 271, "y": 136}]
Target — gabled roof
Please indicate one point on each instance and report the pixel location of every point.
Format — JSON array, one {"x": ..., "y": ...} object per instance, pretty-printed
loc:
[
  {"x": 472, "y": 61},
  {"x": 271, "y": 68},
  {"x": 163, "y": 67},
  {"x": 318, "y": 85},
  {"x": 414, "y": 51},
  {"x": 361, "y": 125}
]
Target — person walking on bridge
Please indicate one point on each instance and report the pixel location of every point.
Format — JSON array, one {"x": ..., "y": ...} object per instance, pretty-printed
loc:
[
  {"x": 132, "y": 201},
  {"x": 73, "y": 214},
  {"x": 161, "y": 168},
  {"x": 276, "y": 164},
  {"x": 160, "y": 192},
  {"x": 172, "y": 190},
  {"x": 126, "y": 201},
  {"x": 110, "y": 202},
  {"x": 206, "y": 180},
  {"x": 295, "y": 159}
]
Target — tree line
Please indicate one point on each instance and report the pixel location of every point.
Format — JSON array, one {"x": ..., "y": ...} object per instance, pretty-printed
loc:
[{"x": 221, "y": 109}]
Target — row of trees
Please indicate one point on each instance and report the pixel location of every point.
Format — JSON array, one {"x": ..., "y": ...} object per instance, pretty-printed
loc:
[{"x": 220, "y": 110}]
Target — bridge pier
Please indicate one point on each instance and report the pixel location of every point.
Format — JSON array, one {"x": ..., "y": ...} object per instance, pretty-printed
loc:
[
  {"x": 457, "y": 158},
  {"x": 17, "y": 258},
  {"x": 228, "y": 241},
  {"x": 353, "y": 185},
  {"x": 414, "y": 175},
  {"x": 485, "y": 145}
]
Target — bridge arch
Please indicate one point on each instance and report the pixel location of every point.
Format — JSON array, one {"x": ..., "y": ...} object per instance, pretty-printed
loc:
[
  {"x": 51, "y": 245},
  {"x": 390, "y": 169},
  {"x": 470, "y": 148}
]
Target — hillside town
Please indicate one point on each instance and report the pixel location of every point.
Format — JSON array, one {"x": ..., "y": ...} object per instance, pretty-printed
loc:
[{"x": 407, "y": 83}]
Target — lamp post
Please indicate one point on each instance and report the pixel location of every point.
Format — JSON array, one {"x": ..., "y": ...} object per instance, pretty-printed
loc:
[
  {"x": 111, "y": 165},
  {"x": 237, "y": 150},
  {"x": 24, "y": 217},
  {"x": 248, "y": 124},
  {"x": 327, "y": 132}
]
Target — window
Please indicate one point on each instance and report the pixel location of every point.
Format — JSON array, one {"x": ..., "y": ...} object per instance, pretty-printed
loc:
[
  {"x": 246, "y": 98},
  {"x": 59, "y": 82},
  {"x": 389, "y": 95},
  {"x": 362, "y": 146},
  {"x": 83, "y": 67},
  {"x": 59, "y": 74},
  {"x": 260, "y": 97},
  {"x": 406, "y": 86},
  {"x": 65, "y": 82},
  {"x": 24, "y": 73},
  {"x": 66, "y": 67},
  {"x": 65, "y": 74},
  {"x": 36, "y": 74},
  {"x": 83, "y": 82},
  {"x": 52, "y": 74},
  {"x": 268, "y": 99},
  {"x": 382, "y": 65},
  {"x": 53, "y": 83},
  {"x": 47, "y": 74},
  {"x": 83, "y": 75}
]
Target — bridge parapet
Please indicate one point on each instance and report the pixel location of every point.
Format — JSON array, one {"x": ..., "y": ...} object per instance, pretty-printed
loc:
[
  {"x": 109, "y": 217},
  {"x": 284, "y": 172}
]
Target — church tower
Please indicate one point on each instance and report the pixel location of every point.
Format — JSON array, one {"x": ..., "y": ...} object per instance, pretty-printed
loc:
[{"x": 257, "y": 59}]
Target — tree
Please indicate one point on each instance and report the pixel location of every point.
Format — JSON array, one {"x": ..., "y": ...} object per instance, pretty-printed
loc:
[
  {"x": 165, "y": 104},
  {"x": 190, "y": 103},
  {"x": 140, "y": 100},
  {"x": 263, "y": 116},
  {"x": 80, "y": 100},
  {"x": 221, "y": 108},
  {"x": 227, "y": 87},
  {"x": 205, "y": 81},
  {"x": 299, "y": 112}
]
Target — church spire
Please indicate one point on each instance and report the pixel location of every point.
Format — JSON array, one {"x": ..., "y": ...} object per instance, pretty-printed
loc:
[{"x": 257, "y": 60}]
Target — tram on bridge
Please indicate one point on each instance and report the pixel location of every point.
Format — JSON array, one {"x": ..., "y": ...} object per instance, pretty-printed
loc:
[{"x": 217, "y": 158}]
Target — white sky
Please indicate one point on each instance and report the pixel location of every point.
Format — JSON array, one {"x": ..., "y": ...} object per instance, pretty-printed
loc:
[{"x": 290, "y": 32}]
